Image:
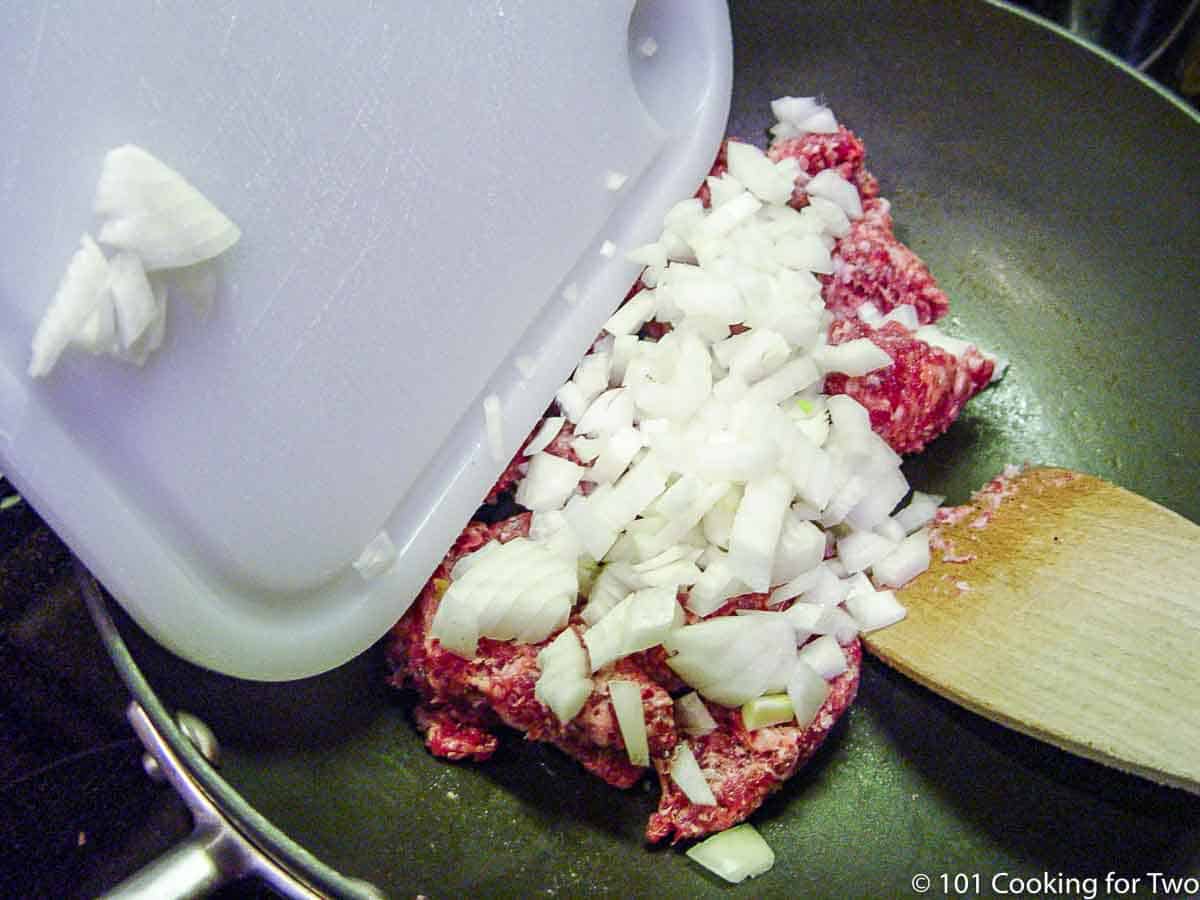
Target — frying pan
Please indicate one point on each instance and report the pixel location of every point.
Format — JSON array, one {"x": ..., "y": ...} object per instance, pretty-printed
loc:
[{"x": 1057, "y": 196}]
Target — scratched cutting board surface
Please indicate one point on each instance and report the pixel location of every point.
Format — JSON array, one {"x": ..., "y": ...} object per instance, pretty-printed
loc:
[{"x": 417, "y": 186}]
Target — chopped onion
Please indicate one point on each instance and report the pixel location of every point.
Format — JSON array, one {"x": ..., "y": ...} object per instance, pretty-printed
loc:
[
  {"x": 919, "y": 512},
  {"x": 735, "y": 854},
  {"x": 82, "y": 289},
  {"x": 136, "y": 304},
  {"x": 686, "y": 773},
  {"x": 800, "y": 549},
  {"x": 615, "y": 452},
  {"x": 518, "y": 589},
  {"x": 905, "y": 314},
  {"x": 875, "y": 609},
  {"x": 692, "y": 716},
  {"x": 860, "y": 550},
  {"x": 756, "y": 529},
  {"x": 750, "y": 166},
  {"x": 595, "y": 533},
  {"x": 563, "y": 684},
  {"x": 833, "y": 187},
  {"x": 626, "y": 699},
  {"x": 825, "y": 656},
  {"x": 151, "y": 210},
  {"x": 860, "y": 356},
  {"x": 905, "y": 563},
  {"x": 548, "y": 483},
  {"x": 767, "y": 710},
  {"x": 732, "y": 659},
  {"x": 611, "y": 411},
  {"x": 545, "y": 435},
  {"x": 808, "y": 691},
  {"x": 640, "y": 621}
]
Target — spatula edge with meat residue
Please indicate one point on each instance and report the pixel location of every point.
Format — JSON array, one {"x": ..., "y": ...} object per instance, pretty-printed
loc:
[{"x": 1066, "y": 608}]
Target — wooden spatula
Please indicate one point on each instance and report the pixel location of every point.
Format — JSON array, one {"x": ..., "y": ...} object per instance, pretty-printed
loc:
[{"x": 1069, "y": 609}]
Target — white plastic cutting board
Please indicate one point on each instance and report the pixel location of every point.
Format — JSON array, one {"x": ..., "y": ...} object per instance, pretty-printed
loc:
[{"x": 416, "y": 183}]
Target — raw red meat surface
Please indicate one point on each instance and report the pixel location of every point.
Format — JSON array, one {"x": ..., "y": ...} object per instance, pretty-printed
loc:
[
  {"x": 464, "y": 702},
  {"x": 744, "y": 767},
  {"x": 872, "y": 265},
  {"x": 920, "y": 394},
  {"x": 839, "y": 150}
]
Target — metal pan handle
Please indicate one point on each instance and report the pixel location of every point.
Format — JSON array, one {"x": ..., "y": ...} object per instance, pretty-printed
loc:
[{"x": 215, "y": 853}]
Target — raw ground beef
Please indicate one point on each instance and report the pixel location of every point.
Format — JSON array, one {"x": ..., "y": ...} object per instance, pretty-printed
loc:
[
  {"x": 464, "y": 702},
  {"x": 872, "y": 265},
  {"x": 916, "y": 398},
  {"x": 839, "y": 150}
]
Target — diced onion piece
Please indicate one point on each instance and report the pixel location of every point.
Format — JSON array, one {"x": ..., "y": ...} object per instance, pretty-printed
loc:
[
  {"x": 549, "y": 482},
  {"x": 756, "y": 529},
  {"x": 800, "y": 549},
  {"x": 732, "y": 659},
  {"x": 563, "y": 684},
  {"x": 715, "y": 585},
  {"x": 825, "y": 656},
  {"x": 565, "y": 695},
  {"x": 787, "y": 381},
  {"x": 860, "y": 550},
  {"x": 718, "y": 521},
  {"x": 884, "y": 491},
  {"x": 151, "y": 210},
  {"x": 860, "y": 356},
  {"x": 920, "y": 511},
  {"x": 875, "y": 609},
  {"x": 797, "y": 586},
  {"x": 641, "y": 620},
  {"x": 808, "y": 691},
  {"x": 735, "y": 854},
  {"x": 611, "y": 411},
  {"x": 607, "y": 591},
  {"x": 518, "y": 589},
  {"x": 616, "y": 451},
  {"x": 692, "y": 716},
  {"x": 595, "y": 533},
  {"x": 626, "y": 699},
  {"x": 572, "y": 401},
  {"x": 633, "y": 315},
  {"x": 686, "y": 773},
  {"x": 767, "y": 710},
  {"x": 82, "y": 289},
  {"x": 629, "y": 496},
  {"x": 136, "y": 304},
  {"x": 377, "y": 557},
  {"x": 905, "y": 563},
  {"x": 833, "y": 187},
  {"x": 551, "y": 426},
  {"x": 750, "y": 166},
  {"x": 905, "y": 314}
]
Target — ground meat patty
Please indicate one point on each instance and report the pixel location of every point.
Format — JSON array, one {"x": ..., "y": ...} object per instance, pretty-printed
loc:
[
  {"x": 744, "y": 767},
  {"x": 872, "y": 265},
  {"x": 840, "y": 150},
  {"x": 916, "y": 398}
]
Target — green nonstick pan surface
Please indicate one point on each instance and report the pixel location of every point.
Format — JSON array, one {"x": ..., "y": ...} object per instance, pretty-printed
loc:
[{"x": 1057, "y": 197}]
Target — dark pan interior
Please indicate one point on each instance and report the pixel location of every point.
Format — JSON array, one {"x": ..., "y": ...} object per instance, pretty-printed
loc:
[{"x": 1057, "y": 197}]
